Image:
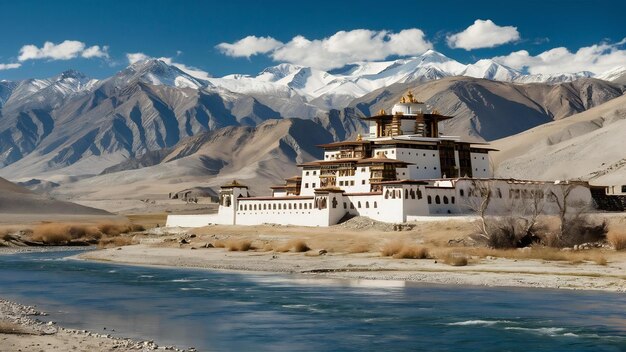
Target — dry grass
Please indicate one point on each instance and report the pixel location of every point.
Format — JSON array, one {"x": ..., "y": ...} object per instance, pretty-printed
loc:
[
  {"x": 58, "y": 233},
  {"x": 360, "y": 248},
  {"x": 618, "y": 239},
  {"x": 456, "y": 259},
  {"x": 412, "y": 252},
  {"x": 116, "y": 229},
  {"x": 61, "y": 233},
  {"x": 391, "y": 248},
  {"x": 238, "y": 245},
  {"x": 400, "y": 249},
  {"x": 219, "y": 244},
  {"x": 532, "y": 253},
  {"x": 298, "y": 246}
]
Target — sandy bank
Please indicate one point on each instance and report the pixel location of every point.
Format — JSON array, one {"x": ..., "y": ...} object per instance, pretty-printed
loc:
[{"x": 485, "y": 272}]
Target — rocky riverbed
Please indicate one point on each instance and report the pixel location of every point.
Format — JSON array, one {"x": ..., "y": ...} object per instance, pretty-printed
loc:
[{"x": 25, "y": 328}]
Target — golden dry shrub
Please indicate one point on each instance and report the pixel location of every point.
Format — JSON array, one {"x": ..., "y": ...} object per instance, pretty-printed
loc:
[
  {"x": 300, "y": 246},
  {"x": 617, "y": 238},
  {"x": 391, "y": 248},
  {"x": 241, "y": 245},
  {"x": 60, "y": 233},
  {"x": 455, "y": 259},
  {"x": 412, "y": 252}
]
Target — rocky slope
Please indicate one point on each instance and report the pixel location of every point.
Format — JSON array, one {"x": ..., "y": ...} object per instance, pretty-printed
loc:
[
  {"x": 258, "y": 156},
  {"x": 589, "y": 146},
  {"x": 18, "y": 200}
]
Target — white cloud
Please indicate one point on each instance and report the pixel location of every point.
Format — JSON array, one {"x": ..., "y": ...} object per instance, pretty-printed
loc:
[
  {"x": 9, "y": 66},
  {"x": 337, "y": 50},
  {"x": 136, "y": 57},
  {"x": 66, "y": 50},
  {"x": 96, "y": 51},
  {"x": 483, "y": 34},
  {"x": 190, "y": 70},
  {"x": 249, "y": 46},
  {"x": 596, "y": 58}
]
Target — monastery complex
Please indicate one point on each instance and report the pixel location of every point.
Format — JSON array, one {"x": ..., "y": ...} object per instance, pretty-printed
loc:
[{"x": 404, "y": 169}]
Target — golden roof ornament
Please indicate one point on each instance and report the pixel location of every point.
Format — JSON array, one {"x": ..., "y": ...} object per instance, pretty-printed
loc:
[
  {"x": 435, "y": 112},
  {"x": 402, "y": 100},
  {"x": 411, "y": 98},
  {"x": 382, "y": 112},
  {"x": 359, "y": 137}
]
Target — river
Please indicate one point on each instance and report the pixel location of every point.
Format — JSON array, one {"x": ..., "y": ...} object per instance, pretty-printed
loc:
[{"x": 234, "y": 311}]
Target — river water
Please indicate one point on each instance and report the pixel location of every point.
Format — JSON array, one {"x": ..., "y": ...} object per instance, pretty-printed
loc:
[{"x": 226, "y": 311}]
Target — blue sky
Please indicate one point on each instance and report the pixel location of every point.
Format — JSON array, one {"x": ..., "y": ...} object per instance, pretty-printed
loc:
[{"x": 188, "y": 32}]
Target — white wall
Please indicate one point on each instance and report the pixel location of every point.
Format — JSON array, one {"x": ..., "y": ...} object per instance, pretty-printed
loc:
[
  {"x": 310, "y": 176},
  {"x": 192, "y": 220},
  {"x": 426, "y": 164},
  {"x": 480, "y": 165}
]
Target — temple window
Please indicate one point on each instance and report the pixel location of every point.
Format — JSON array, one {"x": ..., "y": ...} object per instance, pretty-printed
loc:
[
  {"x": 375, "y": 205},
  {"x": 445, "y": 200},
  {"x": 437, "y": 199},
  {"x": 367, "y": 205},
  {"x": 430, "y": 200}
]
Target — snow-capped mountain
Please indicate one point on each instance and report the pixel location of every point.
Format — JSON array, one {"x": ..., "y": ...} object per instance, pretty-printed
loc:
[
  {"x": 617, "y": 75},
  {"x": 335, "y": 88},
  {"x": 38, "y": 93},
  {"x": 492, "y": 70},
  {"x": 157, "y": 72}
]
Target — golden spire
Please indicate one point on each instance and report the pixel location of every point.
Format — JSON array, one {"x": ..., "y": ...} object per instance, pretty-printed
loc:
[
  {"x": 403, "y": 100},
  {"x": 435, "y": 112},
  {"x": 411, "y": 98},
  {"x": 359, "y": 137},
  {"x": 382, "y": 112}
]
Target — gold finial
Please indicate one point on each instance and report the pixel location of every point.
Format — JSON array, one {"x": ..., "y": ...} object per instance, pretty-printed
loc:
[
  {"x": 359, "y": 137},
  {"x": 411, "y": 98},
  {"x": 403, "y": 100},
  {"x": 435, "y": 112},
  {"x": 382, "y": 112}
]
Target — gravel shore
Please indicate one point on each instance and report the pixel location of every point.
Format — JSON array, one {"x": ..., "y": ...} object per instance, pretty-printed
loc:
[{"x": 25, "y": 328}]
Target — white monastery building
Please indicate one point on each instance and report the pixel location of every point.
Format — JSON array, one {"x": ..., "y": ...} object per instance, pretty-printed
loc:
[{"x": 404, "y": 169}]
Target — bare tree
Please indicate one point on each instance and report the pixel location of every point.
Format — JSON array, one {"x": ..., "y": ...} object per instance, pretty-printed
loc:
[
  {"x": 574, "y": 225},
  {"x": 478, "y": 199}
]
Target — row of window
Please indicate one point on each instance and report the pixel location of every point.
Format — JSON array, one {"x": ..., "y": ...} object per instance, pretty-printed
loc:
[
  {"x": 275, "y": 206},
  {"x": 314, "y": 173},
  {"x": 313, "y": 185},
  {"x": 358, "y": 205},
  {"x": 438, "y": 199}
]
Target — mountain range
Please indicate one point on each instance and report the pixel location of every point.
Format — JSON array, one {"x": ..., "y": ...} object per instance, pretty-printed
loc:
[{"x": 153, "y": 121}]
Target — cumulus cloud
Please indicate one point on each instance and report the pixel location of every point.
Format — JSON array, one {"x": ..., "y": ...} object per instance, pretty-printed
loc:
[
  {"x": 596, "y": 58},
  {"x": 136, "y": 57},
  {"x": 190, "y": 70},
  {"x": 66, "y": 50},
  {"x": 249, "y": 46},
  {"x": 96, "y": 51},
  {"x": 483, "y": 34},
  {"x": 9, "y": 66},
  {"x": 335, "y": 51}
]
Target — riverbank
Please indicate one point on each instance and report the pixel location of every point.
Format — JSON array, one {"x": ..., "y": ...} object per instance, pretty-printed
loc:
[
  {"x": 488, "y": 271},
  {"x": 24, "y": 328}
]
